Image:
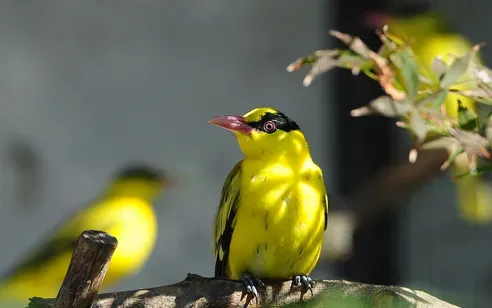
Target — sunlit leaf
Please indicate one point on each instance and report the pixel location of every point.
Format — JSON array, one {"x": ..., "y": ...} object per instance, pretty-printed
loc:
[
  {"x": 488, "y": 126},
  {"x": 322, "y": 65},
  {"x": 396, "y": 59},
  {"x": 454, "y": 152},
  {"x": 410, "y": 73},
  {"x": 383, "y": 105},
  {"x": 353, "y": 42},
  {"x": 397, "y": 40},
  {"x": 418, "y": 125},
  {"x": 467, "y": 120},
  {"x": 388, "y": 45},
  {"x": 439, "y": 143},
  {"x": 438, "y": 67},
  {"x": 386, "y": 77},
  {"x": 435, "y": 99},
  {"x": 481, "y": 95},
  {"x": 350, "y": 60},
  {"x": 426, "y": 80},
  {"x": 472, "y": 143},
  {"x": 457, "y": 69},
  {"x": 478, "y": 171},
  {"x": 483, "y": 73}
]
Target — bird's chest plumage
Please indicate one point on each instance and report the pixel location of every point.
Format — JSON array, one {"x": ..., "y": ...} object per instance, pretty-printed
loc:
[{"x": 280, "y": 222}]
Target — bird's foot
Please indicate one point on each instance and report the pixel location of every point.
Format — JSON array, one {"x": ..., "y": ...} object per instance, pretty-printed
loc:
[
  {"x": 251, "y": 283},
  {"x": 304, "y": 281}
]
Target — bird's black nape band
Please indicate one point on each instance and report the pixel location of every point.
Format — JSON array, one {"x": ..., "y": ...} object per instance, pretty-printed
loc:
[
  {"x": 140, "y": 171},
  {"x": 281, "y": 121}
]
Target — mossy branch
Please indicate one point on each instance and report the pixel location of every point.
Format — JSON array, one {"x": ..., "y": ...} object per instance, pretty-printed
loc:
[{"x": 199, "y": 292}]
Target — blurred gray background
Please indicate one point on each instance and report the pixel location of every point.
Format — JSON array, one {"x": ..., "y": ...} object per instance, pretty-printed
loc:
[{"x": 94, "y": 84}]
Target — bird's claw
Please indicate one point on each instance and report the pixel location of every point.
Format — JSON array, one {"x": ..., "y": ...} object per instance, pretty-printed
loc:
[
  {"x": 305, "y": 281},
  {"x": 250, "y": 283}
]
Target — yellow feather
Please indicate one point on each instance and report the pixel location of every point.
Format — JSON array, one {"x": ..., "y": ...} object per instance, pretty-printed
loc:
[
  {"x": 124, "y": 211},
  {"x": 272, "y": 213}
]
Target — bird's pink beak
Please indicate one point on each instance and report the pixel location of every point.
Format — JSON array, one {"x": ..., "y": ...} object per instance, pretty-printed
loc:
[
  {"x": 376, "y": 20},
  {"x": 232, "y": 123}
]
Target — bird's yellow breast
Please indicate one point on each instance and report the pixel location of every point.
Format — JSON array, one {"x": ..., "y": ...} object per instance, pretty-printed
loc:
[
  {"x": 131, "y": 220},
  {"x": 280, "y": 221}
]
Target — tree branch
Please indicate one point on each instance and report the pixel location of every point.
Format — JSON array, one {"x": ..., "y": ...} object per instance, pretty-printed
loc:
[
  {"x": 88, "y": 266},
  {"x": 198, "y": 292}
]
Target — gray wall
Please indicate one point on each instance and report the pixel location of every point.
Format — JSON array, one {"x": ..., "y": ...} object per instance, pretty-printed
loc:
[{"x": 93, "y": 84}]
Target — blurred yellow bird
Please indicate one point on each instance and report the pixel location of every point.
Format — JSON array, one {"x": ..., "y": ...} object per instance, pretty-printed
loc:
[
  {"x": 123, "y": 210},
  {"x": 273, "y": 210},
  {"x": 429, "y": 35}
]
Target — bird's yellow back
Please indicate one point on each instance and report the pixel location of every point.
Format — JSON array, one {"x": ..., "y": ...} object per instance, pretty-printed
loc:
[
  {"x": 124, "y": 210},
  {"x": 131, "y": 220}
]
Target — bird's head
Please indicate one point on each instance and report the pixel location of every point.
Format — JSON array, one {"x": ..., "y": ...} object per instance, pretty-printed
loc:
[
  {"x": 139, "y": 180},
  {"x": 263, "y": 132},
  {"x": 409, "y": 21}
]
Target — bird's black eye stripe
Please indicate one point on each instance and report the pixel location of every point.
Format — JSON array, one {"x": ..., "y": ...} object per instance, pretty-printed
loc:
[{"x": 280, "y": 120}]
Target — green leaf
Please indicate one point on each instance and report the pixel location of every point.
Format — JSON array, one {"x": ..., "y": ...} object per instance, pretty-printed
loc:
[
  {"x": 396, "y": 59},
  {"x": 38, "y": 302},
  {"x": 438, "y": 67},
  {"x": 439, "y": 143},
  {"x": 350, "y": 60},
  {"x": 423, "y": 79},
  {"x": 457, "y": 68},
  {"x": 481, "y": 95},
  {"x": 488, "y": 126},
  {"x": 386, "y": 106},
  {"x": 471, "y": 142},
  {"x": 410, "y": 73},
  {"x": 467, "y": 120},
  {"x": 477, "y": 172},
  {"x": 452, "y": 157},
  {"x": 435, "y": 99},
  {"x": 418, "y": 125},
  {"x": 383, "y": 105},
  {"x": 483, "y": 73},
  {"x": 482, "y": 170}
]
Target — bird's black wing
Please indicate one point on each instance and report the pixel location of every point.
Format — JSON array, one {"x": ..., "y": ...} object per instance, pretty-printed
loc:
[
  {"x": 325, "y": 198},
  {"x": 225, "y": 219}
]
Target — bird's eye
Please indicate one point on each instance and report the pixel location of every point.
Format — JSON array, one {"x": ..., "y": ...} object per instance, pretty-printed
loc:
[{"x": 269, "y": 126}]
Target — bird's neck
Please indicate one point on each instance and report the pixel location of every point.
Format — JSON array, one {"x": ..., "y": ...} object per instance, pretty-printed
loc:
[{"x": 295, "y": 153}]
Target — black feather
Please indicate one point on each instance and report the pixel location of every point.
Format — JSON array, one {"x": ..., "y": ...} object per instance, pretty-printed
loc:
[
  {"x": 224, "y": 241},
  {"x": 282, "y": 122}
]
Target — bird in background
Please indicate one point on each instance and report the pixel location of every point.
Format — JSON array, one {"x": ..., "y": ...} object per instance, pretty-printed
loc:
[
  {"x": 273, "y": 209},
  {"x": 124, "y": 210},
  {"x": 429, "y": 34}
]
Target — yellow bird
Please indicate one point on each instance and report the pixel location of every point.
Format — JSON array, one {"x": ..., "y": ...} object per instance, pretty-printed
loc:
[
  {"x": 123, "y": 210},
  {"x": 273, "y": 209},
  {"x": 429, "y": 35}
]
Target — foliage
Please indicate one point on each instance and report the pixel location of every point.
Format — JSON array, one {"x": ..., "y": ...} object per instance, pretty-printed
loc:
[{"x": 421, "y": 112}]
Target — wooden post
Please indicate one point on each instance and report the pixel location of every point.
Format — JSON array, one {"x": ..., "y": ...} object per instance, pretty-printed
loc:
[{"x": 85, "y": 274}]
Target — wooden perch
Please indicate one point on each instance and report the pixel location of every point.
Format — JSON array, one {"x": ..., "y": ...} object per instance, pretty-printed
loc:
[
  {"x": 85, "y": 274},
  {"x": 199, "y": 292}
]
